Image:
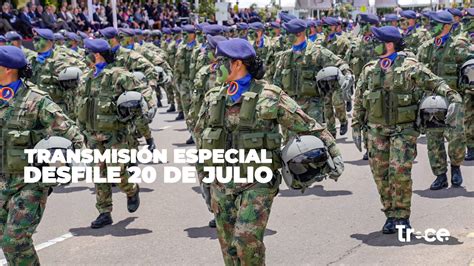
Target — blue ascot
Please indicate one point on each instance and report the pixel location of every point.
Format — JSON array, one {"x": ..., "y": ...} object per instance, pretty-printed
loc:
[
  {"x": 243, "y": 85},
  {"x": 191, "y": 44},
  {"x": 331, "y": 36},
  {"x": 441, "y": 41},
  {"x": 312, "y": 37},
  {"x": 8, "y": 91},
  {"x": 99, "y": 67},
  {"x": 262, "y": 42},
  {"x": 130, "y": 46},
  {"x": 387, "y": 61},
  {"x": 115, "y": 48},
  {"x": 41, "y": 58},
  {"x": 300, "y": 47}
]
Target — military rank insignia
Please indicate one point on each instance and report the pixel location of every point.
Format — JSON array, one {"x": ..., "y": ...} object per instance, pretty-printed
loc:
[{"x": 6, "y": 93}]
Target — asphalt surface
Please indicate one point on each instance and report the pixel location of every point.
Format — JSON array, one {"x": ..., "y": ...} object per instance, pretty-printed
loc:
[{"x": 332, "y": 223}]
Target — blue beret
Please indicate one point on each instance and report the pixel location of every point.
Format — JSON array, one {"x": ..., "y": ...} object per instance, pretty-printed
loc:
[
  {"x": 44, "y": 33},
  {"x": 369, "y": 18},
  {"x": 96, "y": 45},
  {"x": 84, "y": 35},
  {"x": 295, "y": 26},
  {"x": 127, "y": 32},
  {"x": 285, "y": 17},
  {"x": 330, "y": 21},
  {"x": 242, "y": 26},
  {"x": 108, "y": 33},
  {"x": 12, "y": 57},
  {"x": 146, "y": 32},
  {"x": 427, "y": 14},
  {"x": 58, "y": 37},
  {"x": 72, "y": 36},
  {"x": 200, "y": 26},
  {"x": 455, "y": 12},
  {"x": 137, "y": 32},
  {"x": 257, "y": 26},
  {"x": 387, "y": 34},
  {"x": 318, "y": 22},
  {"x": 310, "y": 23},
  {"x": 410, "y": 14},
  {"x": 275, "y": 25},
  {"x": 469, "y": 11},
  {"x": 189, "y": 28},
  {"x": 235, "y": 49},
  {"x": 176, "y": 30},
  {"x": 213, "y": 30},
  {"x": 442, "y": 16},
  {"x": 213, "y": 40},
  {"x": 13, "y": 36},
  {"x": 166, "y": 31},
  {"x": 391, "y": 17},
  {"x": 225, "y": 28}
]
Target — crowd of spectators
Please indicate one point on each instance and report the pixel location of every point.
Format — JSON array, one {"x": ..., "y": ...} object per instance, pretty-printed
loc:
[{"x": 133, "y": 14}]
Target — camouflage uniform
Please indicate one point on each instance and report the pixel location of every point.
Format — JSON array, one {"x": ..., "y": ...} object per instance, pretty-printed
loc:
[
  {"x": 97, "y": 116},
  {"x": 23, "y": 204},
  {"x": 242, "y": 210},
  {"x": 392, "y": 131},
  {"x": 413, "y": 37},
  {"x": 339, "y": 45},
  {"x": 445, "y": 61},
  {"x": 29, "y": 54},
  {"x": 45, "y": 75},
  {"x": 469, "y": 97},
  {"x": 277, "y": 45},
  {"x": 172, "y": 92},
  {"x": 296, "y": 75}
]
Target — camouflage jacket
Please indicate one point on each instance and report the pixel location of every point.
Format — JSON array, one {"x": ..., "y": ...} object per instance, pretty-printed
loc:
[
  {"x": 393, "y": 94},
  {"x": 359, "y": 54},
  {"x": 414, "y": 38},
  {"x": 185, "y": 62},
  {"x": 296, "y": 71},
  {"x": 272, "y": 108},
  {"x": 29, "y": 116},
  {"x": 155, "y": 55},
  {"x": 446, "y": 59},
  {"x": 338, "y": 45},
  {"x": 29, "y": 54}
]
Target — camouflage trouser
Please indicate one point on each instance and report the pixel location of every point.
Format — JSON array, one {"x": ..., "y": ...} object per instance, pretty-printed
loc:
[
  {"x": 22, "y": 210},
  {"x": 311, "y": 106},
  {"x": 197, "y": 99},
  {"x": 334, "y": 106},
  {"x": 104, "y": 190},
  {"x": 185, "y": 89},
  {"x": 170, "y": 93},
  {"x": 177, "y": 96},
  {"x": 469, "y": 119},
  {"x": 456, "y": 146},
  {"x": 391, "y": 156},
  {"x": 241, "y": 221}
]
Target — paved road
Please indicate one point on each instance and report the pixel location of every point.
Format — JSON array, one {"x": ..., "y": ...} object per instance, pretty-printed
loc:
[{"x": 332, "y": 223}]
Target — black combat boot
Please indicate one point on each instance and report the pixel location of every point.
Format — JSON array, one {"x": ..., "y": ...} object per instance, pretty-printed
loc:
[
  {"x": 133, "y": 202},
  {"x": 212, "y": 223},
  {"x": 389, "y": 226},
  {"x": 159, "y": 104},
  {"x": 151, "y": 144},
  {"x": 366, "y": 156},
  {"x": 343, "y": 129},
  {"x": 469, "y": 154},
  {"x": 440, "y": 182},
  {"x": 406, "y": 223},
  {"x": 171, "y": 109},
  {"x": 180, "y": 116},
  {"x": 190, "y": 140},
  {"x": 349, "y": 106},
  {"x": 456, "y": 176},
  {"x": 101, "y": 221}
]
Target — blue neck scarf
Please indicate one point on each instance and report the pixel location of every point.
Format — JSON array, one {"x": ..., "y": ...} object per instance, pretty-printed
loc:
[
  {"x": 178, "y": 41},
  {"x": 438, "y": 42},
  {"x": 312, "y": 37},
  {"x": 99, "y": 67},
  {"x": 387, "y": 61},
  {"x": 243, "y": 85},
  {"x": 300, "y": 47},
  {"x": 8, "y": 91},
  {"x": 41, "y": 58},
  {"x": 75, "y": 49},
  {"x": 141, "y": 43},
  {"x": 331, "y": 36},
  {"x": 168, "y": 40},
  {"x": 191, "y": 44},
  {"x": 409, "y": 30},
  {"x": 262, "y": 42},
  {"x": 157, "y": 43},
  {"x": 115, "y": 48},
  {"x": 130, "y": 46},
  {"x": 339, "y": 33},
  {"x": 455, "y": 25}
]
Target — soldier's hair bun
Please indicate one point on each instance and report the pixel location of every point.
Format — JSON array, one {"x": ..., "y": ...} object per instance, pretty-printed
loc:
[
  {"x": 109, "y": 56},
  {"x": 400, "y": 46},
  {"x": 26, "y": 72},
  {"x": 255, "y": 67}
]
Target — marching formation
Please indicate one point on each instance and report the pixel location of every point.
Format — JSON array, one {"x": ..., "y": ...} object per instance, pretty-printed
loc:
[{"x": 281, "y": 86}]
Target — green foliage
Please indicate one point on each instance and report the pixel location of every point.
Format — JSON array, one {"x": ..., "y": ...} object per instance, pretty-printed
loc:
[{"x": 206, "y": 8}]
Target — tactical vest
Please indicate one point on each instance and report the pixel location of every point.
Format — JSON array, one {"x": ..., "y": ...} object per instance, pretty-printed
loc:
[
  {"x": 298, "y": 76},
  {"x": 43, "y": 76},
  {"x": 389, "y": 99},
  {"x": 441, "y": 61},
  {"x": 361, "y": 55},
  {"x": 20, "y": 129},
  {"x": 97, "y": 109},
  {"x": 247, "y": 135}
]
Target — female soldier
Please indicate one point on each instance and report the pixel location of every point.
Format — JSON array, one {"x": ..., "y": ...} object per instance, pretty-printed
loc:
[{"x": 245, "y": 113}]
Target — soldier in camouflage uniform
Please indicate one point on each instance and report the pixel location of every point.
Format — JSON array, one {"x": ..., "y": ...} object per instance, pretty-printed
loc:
[
  {"x": 312, "y": 32},
  {"x": 457, "y": 27},
  {"x": 297, "y": 67},
  {"x": 15, "y": 39},
  {"x": 277, "y": 45},
  {"x": 395, "y": 80},
  {"x": 444, "y": 55},
  {"x": 131, "y": 60},
  {"x": 172, "y": 49},
  {"x": 23, "y": 205},
  {"x": 469, "y": 100},
  {"x": 185, "y": 70},
  {"x": 49, "y": 62},
  {"x": 412, "y": 35},
  {"x": 390, "y": 20},
  {"x": 73, "y": 41},
  {"x": 243, "y": 31},
  {"x": 97, "y": 117},
  {"x": 253, "y": 109},
  {"x": 361, "y": 52},
  {"x": 334, "y": 104}
]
